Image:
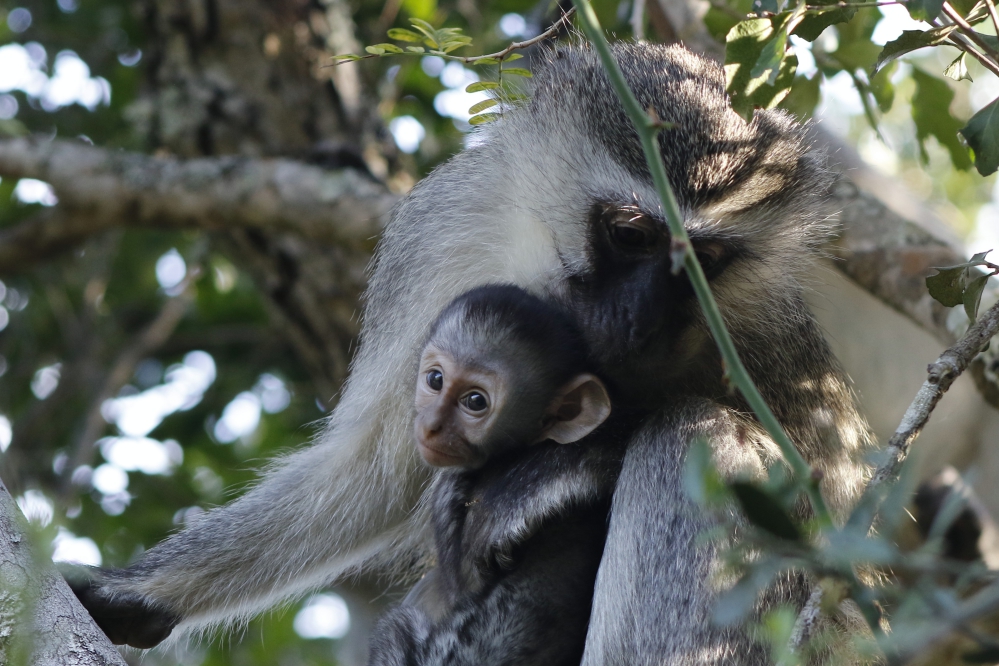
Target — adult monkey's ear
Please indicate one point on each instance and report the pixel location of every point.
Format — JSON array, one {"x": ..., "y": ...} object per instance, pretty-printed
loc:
[{"x": 578, "y": 408}]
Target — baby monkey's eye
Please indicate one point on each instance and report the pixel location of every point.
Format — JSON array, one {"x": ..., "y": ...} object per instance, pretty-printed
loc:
[
  {"x": 475, "y": 402},
  {"x": 435, "y": 380}
]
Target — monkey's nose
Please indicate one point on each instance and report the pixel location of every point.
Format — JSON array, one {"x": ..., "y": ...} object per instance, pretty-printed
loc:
[{"x": 427, "y": 428}]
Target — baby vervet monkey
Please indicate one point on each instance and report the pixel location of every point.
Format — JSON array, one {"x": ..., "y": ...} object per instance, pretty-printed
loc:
[
  {"x": 505, "y": 402},
  {"x": 503, "y": 370}
]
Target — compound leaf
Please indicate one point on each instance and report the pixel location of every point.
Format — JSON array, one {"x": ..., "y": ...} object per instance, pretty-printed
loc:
[{"x": 517, "y": 71}]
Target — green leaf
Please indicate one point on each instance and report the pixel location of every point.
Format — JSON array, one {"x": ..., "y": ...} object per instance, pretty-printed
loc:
[
  {"x": 924, "y": 10},
  {"x": 768, "y": 64},
  {"x": 958, "y": 70},
  {"x": 982, "y": 135},
  {"x": 804, "y": 96},
  {"x": 416, "y": 49},
  {"x": 513, "y": 56},
  {"x": 812, "y": 26},
  {"x": 517, "y": 71},
  {"x": 388, "y": 48},
  {"x": 479, "y": 86},
  {"x": 346, "y": 57},
  {"x": 423, "y": 27},
  {"x": 931, "y": 113},
  {"x": 428, "y": 30},
  {"x": 947, "y": 286},
  {"x": 719, "y": 22},
  {"x": 882, "y": 88},
  {"x": 404, "y": 35},
  {"x": 978, "y": 259},
  {"x": 764, "y": 511},
  {"x": 744, "y": 46},
  {"x": 912, "y": 40},
  {"x": 375, "y": 50},
  {"x": 452, "y": 46},
  {"x": 482, "y": 106},
  {"x": 484, "y": 61},
  {"x": 483, "y": 118},
  {"x": 973, "y": 296}
]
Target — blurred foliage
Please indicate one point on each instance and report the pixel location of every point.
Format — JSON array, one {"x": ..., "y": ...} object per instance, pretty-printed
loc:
[{"x": 80, "y": 311}]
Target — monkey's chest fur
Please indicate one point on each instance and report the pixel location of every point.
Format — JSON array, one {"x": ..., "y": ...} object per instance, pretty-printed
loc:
[{"x": 518, "y": 546}]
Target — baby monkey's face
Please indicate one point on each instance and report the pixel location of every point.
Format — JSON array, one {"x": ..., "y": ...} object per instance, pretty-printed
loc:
[{"x": 458, "y": 407}]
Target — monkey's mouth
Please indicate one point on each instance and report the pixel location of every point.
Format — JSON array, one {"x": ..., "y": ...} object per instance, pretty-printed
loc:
[{"x": 440, "y": 458}]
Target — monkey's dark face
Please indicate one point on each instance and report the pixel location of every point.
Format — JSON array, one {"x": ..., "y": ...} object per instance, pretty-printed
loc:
[
  {"x": 458, "y": 408},
  {"x": 636, "y": 314}
]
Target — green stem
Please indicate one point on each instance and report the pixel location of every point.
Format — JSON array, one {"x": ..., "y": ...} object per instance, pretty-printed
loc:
[{"x": 648, "y": 130}]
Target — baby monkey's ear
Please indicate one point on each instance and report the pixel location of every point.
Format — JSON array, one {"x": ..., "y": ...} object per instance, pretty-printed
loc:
[{"x": 578, "y": 408}]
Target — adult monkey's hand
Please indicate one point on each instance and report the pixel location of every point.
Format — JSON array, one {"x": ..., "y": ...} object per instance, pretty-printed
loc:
[{"x": 125, "y": 617}]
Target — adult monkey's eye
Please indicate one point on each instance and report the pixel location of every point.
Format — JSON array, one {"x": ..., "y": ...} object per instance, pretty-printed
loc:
[
  {"x": 475, "y": 402},
  {"x": 632, "y": 231},
  {"x": 435, "y": 379},
  {"x": 710, "y": 256}
]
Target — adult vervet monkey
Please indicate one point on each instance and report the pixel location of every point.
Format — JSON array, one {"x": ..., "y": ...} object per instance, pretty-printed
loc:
[{"x": 556, "y": 198}]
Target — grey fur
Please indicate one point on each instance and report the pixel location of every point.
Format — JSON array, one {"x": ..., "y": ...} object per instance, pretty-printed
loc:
[{"x": 515, "y": 208}]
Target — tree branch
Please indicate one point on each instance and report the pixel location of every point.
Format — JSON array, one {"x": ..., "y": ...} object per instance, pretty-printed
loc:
[
  {"x": 942, "y": 374},
  {"x": 41, "y": 621},
  {"x": 99, "y": 189},
  {"x": 145, "y": 343}
]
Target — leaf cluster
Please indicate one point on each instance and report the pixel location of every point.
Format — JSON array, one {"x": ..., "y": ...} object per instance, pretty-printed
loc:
[
  {"x": 767, "y": 536},
  {"x": 761, "y": 66}
]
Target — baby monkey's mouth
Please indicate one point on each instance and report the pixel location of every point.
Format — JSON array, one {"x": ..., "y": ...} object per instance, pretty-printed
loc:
[{"x": 447, "y": 455}]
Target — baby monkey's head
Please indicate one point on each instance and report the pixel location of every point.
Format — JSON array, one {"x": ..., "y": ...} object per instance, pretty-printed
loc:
[{"x": 503, "y": 369}]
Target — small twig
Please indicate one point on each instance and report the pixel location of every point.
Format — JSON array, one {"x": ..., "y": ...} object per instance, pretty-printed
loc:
[
  {"x": 957, "y": 40},
  {"x": 500, "y": 55},
  {"x": 942, "y": 374},
  {"x": 993, "y": 14},
  {"x": 148, "y": 341},
  {"x": 804, "y": 626},
  {"x": 821, "y": 9},
  {"x": 969, "y": 32},
  {"x": 966, "y": 46}
]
